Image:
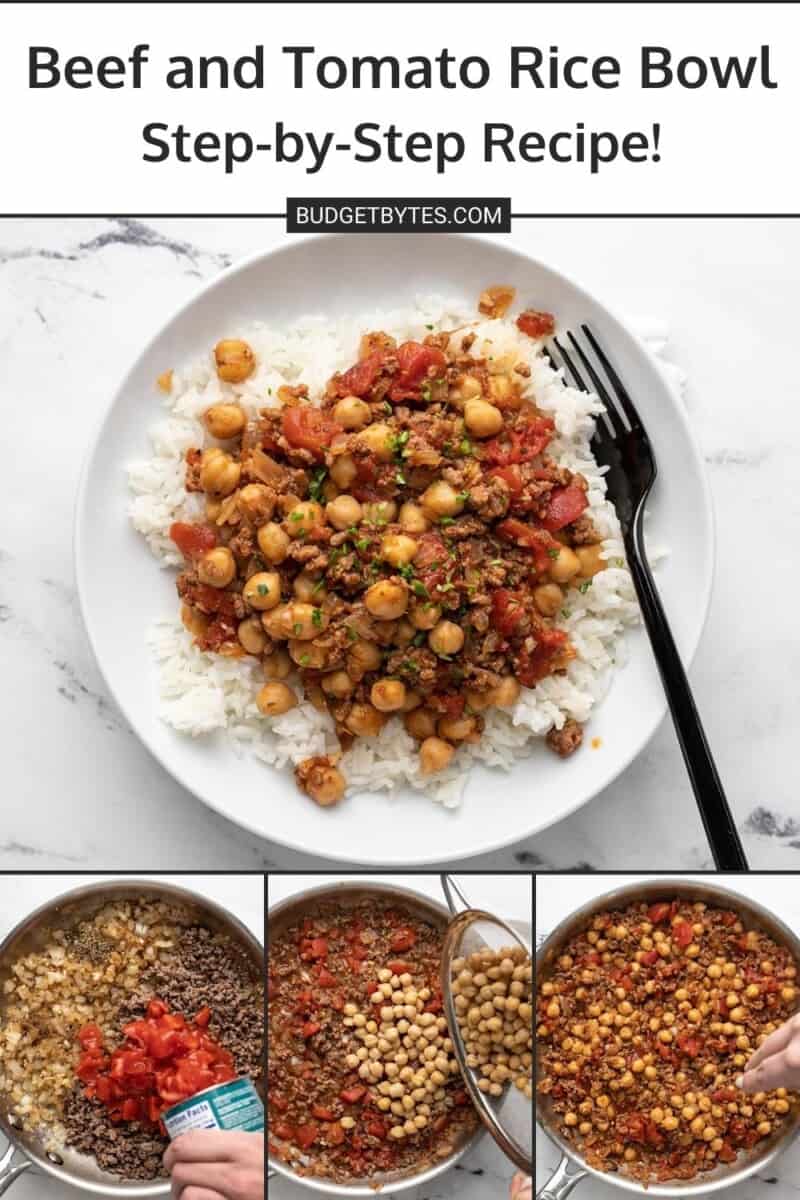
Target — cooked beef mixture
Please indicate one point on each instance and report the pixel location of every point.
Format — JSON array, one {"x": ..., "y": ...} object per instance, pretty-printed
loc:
[
  {"x": 362, "y": 1077},
  {"x": 645, "y": 1020},
  {"x": 400, "y": 548}
]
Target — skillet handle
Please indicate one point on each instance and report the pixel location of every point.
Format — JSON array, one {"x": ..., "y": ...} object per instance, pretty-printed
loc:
[
  {"x": 10, "y": 1170},
  {"x": 452, "y": 893},
  {"x": 561, "y": 1182}
]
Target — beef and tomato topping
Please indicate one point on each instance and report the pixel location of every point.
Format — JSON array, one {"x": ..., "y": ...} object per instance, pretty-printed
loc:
[
  {"x": 399, "y": 550},
  {"x": 362, "y": 1077},
  {"x": 645, "y": 1020}
]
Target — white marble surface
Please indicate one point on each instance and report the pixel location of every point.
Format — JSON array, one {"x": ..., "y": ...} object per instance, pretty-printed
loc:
[
  {"x": 77, "y": 300},
  {"x": 556, "y": 898},
  {"x": 243, "y": 895},
  {"x": 485, "y": 1173}
]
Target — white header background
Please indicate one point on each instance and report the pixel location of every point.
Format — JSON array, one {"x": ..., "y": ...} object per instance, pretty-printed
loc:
[{"x": 79, "y": 151}]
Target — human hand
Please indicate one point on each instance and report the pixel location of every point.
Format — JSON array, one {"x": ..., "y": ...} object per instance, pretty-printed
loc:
[
  {"x": 776, "y": 1062},
  {"x": 214, "y": 1165},
  {"x": 521, "y": 1187}
]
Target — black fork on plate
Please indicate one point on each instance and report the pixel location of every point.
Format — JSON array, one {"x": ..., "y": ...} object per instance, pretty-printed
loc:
[{"x": 622, "y": 446}]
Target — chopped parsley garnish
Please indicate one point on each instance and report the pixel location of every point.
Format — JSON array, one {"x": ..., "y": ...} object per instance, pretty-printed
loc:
[
  {"x": 318, "y": 586},
  {"x": 584, "y": 587},
  {"x": 387, "y": 407},
  {"x": 425, "y": 392},
  {"x": 496, "y": 562},
  {"x": 553, "y": 553},
  {"x": 305, "y": 659},
  {"x": 262, "y": 589},
  {"x": 618, "y": 562},
  {"x": 295, "y": 516},
  {"x": 362, "y": 543},
  {"x": 446, "y": 520},
  {"x": 406, "y": 570},
  {"x": 446, "y": 587},
  {"x": 429, "y": 327},
  {"x": 317, "y": 480},
  {"x": 465, "y": 446},
  {"x": 410, "y": 666},
  {"x": 419, "y": 638},
  {"x": 352, "y": 634},
  {"x": 419, "y": 589},
  {"x": 316, "y": 618},
  {"x": 566, "y": 612},
  {"x": 463, "y": 497},
  {"x": 397, "y": 442},
  {"x": 298, "y": 628},
  {"x": 400, "y": 478}
]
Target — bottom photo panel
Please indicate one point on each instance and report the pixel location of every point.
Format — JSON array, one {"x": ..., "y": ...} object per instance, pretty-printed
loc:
[
  {"x": 667, "y": 1035},
  {"x": 132, "y": 1036},
  {"x": 400, "y": 1036}
]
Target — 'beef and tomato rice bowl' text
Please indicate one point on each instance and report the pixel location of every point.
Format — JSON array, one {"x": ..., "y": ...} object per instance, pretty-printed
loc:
[
  {"x": 395, "y": 551},
  {"x": 110, "y": 1023}
]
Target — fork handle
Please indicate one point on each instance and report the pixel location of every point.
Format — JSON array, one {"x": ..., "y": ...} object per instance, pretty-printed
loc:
[{"x": 709, "y": 793}]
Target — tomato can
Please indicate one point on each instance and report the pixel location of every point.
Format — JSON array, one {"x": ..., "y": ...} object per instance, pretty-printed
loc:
[{"x": 233, "y": 1106}]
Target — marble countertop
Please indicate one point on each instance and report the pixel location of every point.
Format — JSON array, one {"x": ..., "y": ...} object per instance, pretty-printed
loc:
[
  {"x": 485, "y": 1173},
  {"x": 78, "y": 299},
  {"x": 21, "y": 894},
  {"x": 556, "y": 898}
]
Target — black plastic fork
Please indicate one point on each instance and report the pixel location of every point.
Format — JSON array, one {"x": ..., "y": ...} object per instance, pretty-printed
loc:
[{"x": 623, "y": 447}]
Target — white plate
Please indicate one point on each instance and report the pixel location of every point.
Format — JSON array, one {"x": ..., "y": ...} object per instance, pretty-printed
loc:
[{"x": 348, "y": 275}]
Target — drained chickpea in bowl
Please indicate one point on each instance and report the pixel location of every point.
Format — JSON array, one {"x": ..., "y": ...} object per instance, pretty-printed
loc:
[{"x": 397, "y": 549}]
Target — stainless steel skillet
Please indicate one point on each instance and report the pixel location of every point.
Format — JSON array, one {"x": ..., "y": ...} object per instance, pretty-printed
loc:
[
  {"x": 27, "y": 1151},
  {"x": 572, "y": 1168}
]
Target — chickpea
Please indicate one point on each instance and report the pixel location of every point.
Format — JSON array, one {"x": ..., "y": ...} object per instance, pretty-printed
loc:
[
  {"x": 364, "y": 721},
  {"x": 307, "y": 654},
  {"x": 303, "y": 518},
  {"x": 278, "y": 664},
  {"x": 343, "y": 470},
  {"x": 387, "y": 599},
  {"x": 478, "y": 701},
  {"x": 324, "y": 784},
  {"x": 224, "y": 421},
  {"x": 482, "y": 419},
  {"x": 362, "y": 657},
  {"x": 251, "y": 635},
  {"x": 263, "y": 590},
  {"x": 424, "y": 615},
  {"x": 216, "y": 567},
  {"x": 379, "y": 512},
  {"x": 565, "y": 565},
  {"x": 435, "y": 754},
  {"x": 456, "y": 729},
  {"x": 235, "y": 360},
  {"x": 446, "y": 638},
  {"x": 377, "y": 439},
  {"x": 501, "y": 390},
  {"x": 398, "y": 549},
  {"x": 305, "y": 620},
  {"x": 274, "y": 699},
  {"x": 413, "y": 700},
  {"x": 256, "y": 502},
  {"x": 276, "y": 622},
  {"x": 196, "y": 622},
  {"x": 338, "y": 684},
  {"x": 505, "y": 693},
  {"x": 412, "y": 518},
  {"x": 388, "y": 695},
  {"x": 548, "y": 598},
  {"x": 591, "y": 560},
  {"x": 404, "y": 634},
  {"x": 307, "y": 588},
  {"x": 440, "y": 500},
  {"x": 421, "y": 723},
  {"x": 273, "y": 542},
  {"x": 343, "y": 512},
  {"x": 219, "y": 474},
  {"x": 352, "y": 413}
]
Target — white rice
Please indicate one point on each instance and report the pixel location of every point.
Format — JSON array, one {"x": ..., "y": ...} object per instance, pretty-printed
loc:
[{"x": 201, "y": 694}]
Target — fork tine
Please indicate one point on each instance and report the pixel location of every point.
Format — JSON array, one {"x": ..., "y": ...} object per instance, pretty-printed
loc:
[
  {"x": 616, "y": 382},
  {"x": 570, "y": 365},
  {"x": 612, "y": 413}
]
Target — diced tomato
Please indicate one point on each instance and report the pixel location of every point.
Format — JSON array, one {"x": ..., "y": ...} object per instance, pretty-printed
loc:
[
  {"x": 415, "y": 363},
  {"x": 727, "y": 1154},
  {"x": 435, "y": 1004},
  {"x": 334, "y": 1134},
  {"x": 310, "y": 1028},
  {"x": 649, "y": 957},
  {"x": 564, "y": 506},
  {"x": 450, "y": 704},
  {"x": 279, "y": 1102},
  {"x": 460, "y": 1098},
  {"x": 398, "y": 966},
  {"x": 534, "y": 665},
  {"x": 284, "y": 1131},
  {"x": 192, "y": 540},
  {"x": 306, "y": 1135},
  {"x": 632, "y": 1127},
  {"x": 324, "y": 977},
  {"x": 654, "y": 1138},
  {"x": 352, "y": 1095},
  {"x": 431, "y": 561},
  {"x": 521, "y": 444},
  {"x": 728, "y": 918},
  {"x": 359, "y": 379},
  {"x": 203, "y": 1017},
  {"x": 322, "y": 1113},
  {"x": 313, "y": 948},
  {"x": 375, "y": 1129},
  {"x": 307, "y": 428},
  {"x": 511, "y": 477},
  {"x": 690, "y": 1046},
  {"x": 657, "y": 913},
  {"x": 508, "y": 610},
  {"x": 535, "y": 323},
  {"x": 682, "y": 933},
  {"x": 539, "y": 542},
  {"x": 727, "y": 1094},
  {"x": 403, "y": 939},
  {"x": 90, "y": 1036}
]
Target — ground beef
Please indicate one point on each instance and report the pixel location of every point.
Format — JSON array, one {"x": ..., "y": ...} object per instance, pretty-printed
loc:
[
  {"x": 127, "y": 1149},
  {"x": 567, "y": 739}
]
